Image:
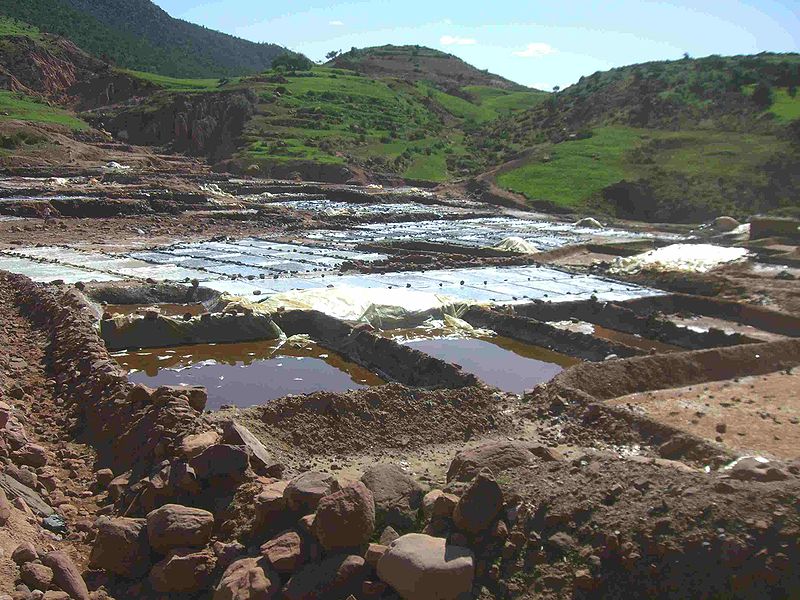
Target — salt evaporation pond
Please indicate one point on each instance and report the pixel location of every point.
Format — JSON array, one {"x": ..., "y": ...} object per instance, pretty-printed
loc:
[{"x": 249, "y": 373}]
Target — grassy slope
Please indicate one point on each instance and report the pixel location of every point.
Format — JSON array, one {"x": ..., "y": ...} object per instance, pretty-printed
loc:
[
  {"x": 20, "y": 107},
  {"x": 336, "y": 116}
]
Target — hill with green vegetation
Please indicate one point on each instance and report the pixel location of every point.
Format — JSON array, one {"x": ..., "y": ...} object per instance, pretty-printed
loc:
[
  {"x": 674, "y": 141},
  {"x": 419, "y": 63},
  {"x": 137, "y": 34}
]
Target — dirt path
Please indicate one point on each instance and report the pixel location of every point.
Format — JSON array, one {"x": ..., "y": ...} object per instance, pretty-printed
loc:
[{"x": 66, "y": 480}]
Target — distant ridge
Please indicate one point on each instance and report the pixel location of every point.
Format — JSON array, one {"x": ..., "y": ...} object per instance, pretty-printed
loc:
[{"x": 137, "y": 34}]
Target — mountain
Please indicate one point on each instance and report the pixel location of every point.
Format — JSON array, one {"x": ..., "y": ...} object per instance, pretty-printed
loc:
[
  {"x": 137, "y": 34},
  {"x": 677, "y": 140},
  {"x": 419, "y": 63}
]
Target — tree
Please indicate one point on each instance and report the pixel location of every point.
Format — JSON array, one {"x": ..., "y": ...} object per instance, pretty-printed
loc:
[
  {"x": 556, "y": 89},
  {"x": 762, "y": 95},
  {"x": 292, "y": 62},
  {"x": 333, "y": 54}
]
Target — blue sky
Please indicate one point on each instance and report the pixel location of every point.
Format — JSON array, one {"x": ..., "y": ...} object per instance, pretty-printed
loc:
[{"x": 538, "y": 43}]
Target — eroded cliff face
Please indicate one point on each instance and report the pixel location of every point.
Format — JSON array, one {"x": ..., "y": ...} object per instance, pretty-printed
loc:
[{"x": 203, "y": 124}]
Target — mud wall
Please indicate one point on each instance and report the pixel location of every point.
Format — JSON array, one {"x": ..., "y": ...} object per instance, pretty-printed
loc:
[
  {"x": 128, "y": 430},
  {"x": 756, "y": 316},
  {"x": 621, "y": 318},
  {"x": 643, "y": 373},
  {"x": 387, "y": 358},
  {"x": 535, "y": 332}
]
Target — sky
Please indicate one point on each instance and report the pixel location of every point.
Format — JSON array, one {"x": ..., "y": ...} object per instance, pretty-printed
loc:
[{"x": 538, "y": 43}]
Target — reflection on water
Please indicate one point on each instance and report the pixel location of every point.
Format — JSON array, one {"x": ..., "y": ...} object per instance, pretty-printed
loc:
[
  {"x": 499, "y": 361},
  {"x": 245, "y": 374}
]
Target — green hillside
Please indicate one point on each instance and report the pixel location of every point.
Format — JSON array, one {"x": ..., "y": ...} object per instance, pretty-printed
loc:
[
  {"x": 136, "y": 34},
  {"x": 680, "y": 140}
]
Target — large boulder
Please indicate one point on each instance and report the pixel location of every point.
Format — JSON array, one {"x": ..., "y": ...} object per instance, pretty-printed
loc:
[
  {"x": 248, "y": 579},
  {"x": 177, "y": 526},
  {"x": 345, "y": 519},
  {"x": 66, "y": 574},
  {"x": 421, "y": 567},
  {"x": 270, "y": 502},
  {"x": 335, "y": 577},
  {"x": 479, "y": 505},
  {"x": 304, "y": 492},
  {"x": 397, "y": 495},
  {"x": 495, "y": 456},
  {"x": 221, "y": 460},
  {"x": 183, "y": 571},
  {"x": 121, "y": 546},
  {"x": 36, "y": 576},
  {"x": 285, "y": 552},
  {"x": 32, "y": 455}
]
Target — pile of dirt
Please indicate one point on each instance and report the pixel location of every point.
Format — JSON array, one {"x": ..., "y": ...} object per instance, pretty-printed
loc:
[{"x": 388, "y": 416}]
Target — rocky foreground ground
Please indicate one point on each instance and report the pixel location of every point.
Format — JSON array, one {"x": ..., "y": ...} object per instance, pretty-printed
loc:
[{"x": 114, "y": 490}]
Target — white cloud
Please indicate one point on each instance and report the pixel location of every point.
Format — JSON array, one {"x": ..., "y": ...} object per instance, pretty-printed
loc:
[
  {"x": 448, "y": 21},
  {"x": 336, "y": 23},
  {"x": 536, "y": 50},
  {"x": 454, "y": 40}
]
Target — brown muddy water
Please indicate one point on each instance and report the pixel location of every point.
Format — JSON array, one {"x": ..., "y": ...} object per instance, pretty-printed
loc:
[
  {"x": 246, "y": 374},
  {"x": 499, "y": 361},
  {"x": 619, "y": 337},
  {"x": 168, "y": 310}
]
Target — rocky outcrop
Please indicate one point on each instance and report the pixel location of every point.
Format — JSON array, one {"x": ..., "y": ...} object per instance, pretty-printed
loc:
[{"x": 205, "y": 124}]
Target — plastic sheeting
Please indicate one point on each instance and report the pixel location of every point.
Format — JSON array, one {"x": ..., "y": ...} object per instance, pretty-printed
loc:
[
  {"x": 690, "y": 258},
  {"x": 516, "y": 244}
]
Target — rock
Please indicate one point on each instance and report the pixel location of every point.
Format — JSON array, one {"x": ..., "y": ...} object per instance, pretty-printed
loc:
[
  {"x": 183, "y": 571},
  {"x": 221, "y": 460},
  {"x": 32, "y": 455},
  {"x": 285, "y": 552},
  {"x": 304, "y": 492},
  {"x": 140, "y": 394},
  {"x": 725, "y": 224},
  {"x": 227, "y": 553},
  {"x": 192, "y": 445},
  {"x": 388, "y": 535},
  {"x": 374, "y": 553},
  {"x": 438, "y": 504},
  {"x": 334, "y": 577},
  {"x": 397, "y": 495},
  {"x": 495, "y": 456},
  {"x": 118, "y": 486},
  {"x": 5, "y": 508},
  {"x": 25, "y": 552},
  {"x": 561, "y": 542},
  {"x": 479, "y": 505},
  {"x": 198, "y": 397},
  {"x": 248, "y": 579},
  {"x": 66, "y": 575},
  {"x": 177, "y": 526},
  {"x": 103, "y": 477},
  {"x": 421, "y": 567},
  {"x": 270, "y": 502},
  {"x": 36, "y": 576},
  {"x": 589, "y": 223},
  {"x": 751, "y": 469},
  {"x": 121, "y": 546},
  {"x": 56, "y": 595},
  {"x": 262, "y": 460},
  {"x": 346, "y": 518}
]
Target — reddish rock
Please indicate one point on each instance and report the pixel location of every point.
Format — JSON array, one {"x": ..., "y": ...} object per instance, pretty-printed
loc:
[
  {"x": 118, "y": 486},
  {"x": 270, "y": 502},
  {"x": 25, "y": 552},
  {"x": 177, "y": 526},
  {"x": 397, "y": 495},
  {"x": 346, "y": 518},
  {"x": 421, "y": 567},
  {"x": 221, "y": 460},
  {"x": 103, "y": 477},
  {"x": 121, "y": 546},
  {"x": 374, "y": 553},
  {"x": 36, "y": 576},
  {"x": 32, "y": 455},
  {"x": 66, "y": 575},
  {"x": 183, "y": 571},
  {"x": 192, "y": 445},
  {"x": 334, "y": 577},
  {"x": 140, "y": 394},
  {"x": 5, "y": 508},
  {"x": 479, "y": 505},
  {"x": 198, "y": 397},
  {"x": 495, "y": 456},
  {"x": 285, "y": 552},
  {"x": 248, "y": 579},
  {"x": 304, "y": 492}
]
